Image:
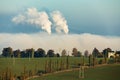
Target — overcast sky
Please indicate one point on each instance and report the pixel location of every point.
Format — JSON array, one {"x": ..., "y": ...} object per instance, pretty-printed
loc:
[{"x": 94, "y": 17}]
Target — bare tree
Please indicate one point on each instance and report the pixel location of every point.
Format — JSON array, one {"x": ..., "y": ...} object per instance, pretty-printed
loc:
[
  {"x": 76, "y": 53},
  {"x": 64, "y": 52},
  {"x": 86, "y": 53}
]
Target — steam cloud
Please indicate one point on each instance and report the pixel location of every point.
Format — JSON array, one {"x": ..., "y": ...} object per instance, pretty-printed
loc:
[
  {"x": 32, "y": 16},
  {"x": 60, "y": 22},
  {"x": 41, "y": 19}
]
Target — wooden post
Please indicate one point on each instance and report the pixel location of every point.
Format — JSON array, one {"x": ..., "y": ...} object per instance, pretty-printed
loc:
[
  {"x": 24, "y": 74},
  {"x": 35, "y": 70},
  {"x": 50, "y": 65},
  {"x": 67, "y": 63},
  {"x": 57, "y": 65},
  {"x": 83, "y": 61},
  {"x": 93, "y": 61},
  {"x": 81, "y": 72},
  {"x": 89, "y": 61},
  {"x": 46, "y": 66},
  {"x": 13, "y": 60}
]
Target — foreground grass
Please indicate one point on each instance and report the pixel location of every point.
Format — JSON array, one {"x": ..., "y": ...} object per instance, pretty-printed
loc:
[{"x": 108, "y": 72}]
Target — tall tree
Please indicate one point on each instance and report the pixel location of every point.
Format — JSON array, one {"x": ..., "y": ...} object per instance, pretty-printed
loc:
[
  {"x": 86, "y": 53},
  {"x": 39, "y": 53},
  {"x": 16, "y": 53},
  {"x": 76, "y": 53},
  {"x": 64, "y": 52},
  {"x": 95, "y": 52},
  {"x": 50, "y": 53},
  {"x": 79, "y": 54},
  {"x": 23, "y": 54},
  {"x": 105, "y": 52},
  {"x": 7, "y": 52},
  {"x": 30, "y": 52}
]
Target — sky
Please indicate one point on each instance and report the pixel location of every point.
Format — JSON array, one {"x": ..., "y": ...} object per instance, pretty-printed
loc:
[{"x": 84, "y": 23}]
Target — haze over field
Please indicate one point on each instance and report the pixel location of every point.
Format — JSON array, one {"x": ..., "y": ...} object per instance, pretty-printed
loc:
[
  {"x": 58, "y": 42},
  {"x": 83, "y": 24}
]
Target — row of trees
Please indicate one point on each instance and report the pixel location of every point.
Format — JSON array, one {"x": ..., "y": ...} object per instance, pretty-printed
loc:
[
  {"x": 8, "y": 52},
  {"x": 104, "y": 53}
]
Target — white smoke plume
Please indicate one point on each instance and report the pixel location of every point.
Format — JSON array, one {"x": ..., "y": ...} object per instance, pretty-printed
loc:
[
  {"x": 60, "y": 22},
  {"x": 42, "y": 40},
  {"x": 33, "y": 16},
  {"x": 41, "y": 19},
  {"x": 19, "y": 19}
]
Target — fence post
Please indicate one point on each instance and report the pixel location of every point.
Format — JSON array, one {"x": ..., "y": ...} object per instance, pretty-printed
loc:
[{"x": 81, "y": 72}]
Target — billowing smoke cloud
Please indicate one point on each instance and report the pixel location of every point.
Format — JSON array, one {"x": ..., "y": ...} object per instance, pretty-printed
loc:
[
  {"x": 60, "y": 22},
  {"x": 42, "y": 40},
  {"x": 32, "y": 16},
  {"x": 41, "y": 19}
]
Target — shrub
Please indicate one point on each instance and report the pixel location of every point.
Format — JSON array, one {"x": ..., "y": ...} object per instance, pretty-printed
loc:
[{"x": 102, "y": 61}]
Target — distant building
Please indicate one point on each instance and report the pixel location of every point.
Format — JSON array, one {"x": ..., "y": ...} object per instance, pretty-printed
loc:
[{"x": 111, "y": 54}]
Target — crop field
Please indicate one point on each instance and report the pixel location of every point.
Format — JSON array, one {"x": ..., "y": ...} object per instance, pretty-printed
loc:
[
  {"x": 108, "y": 72},
  {"x": 26, "y": 67},
  {"x": 17, "y": 65}
]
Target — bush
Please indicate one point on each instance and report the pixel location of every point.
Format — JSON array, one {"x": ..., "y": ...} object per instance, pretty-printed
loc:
[
  {"x": 111, "y": 61},
  {"x": 102, "y": 61}
]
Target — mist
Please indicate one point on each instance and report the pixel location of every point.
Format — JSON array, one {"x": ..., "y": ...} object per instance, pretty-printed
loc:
[{"x": 58, "y": 42}]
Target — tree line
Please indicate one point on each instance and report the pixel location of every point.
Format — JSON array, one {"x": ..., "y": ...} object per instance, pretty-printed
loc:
[
  {"x": 9, "y": 52},
  {"x": 32, "y": 53},
  {"x": 54, "y": 65}
]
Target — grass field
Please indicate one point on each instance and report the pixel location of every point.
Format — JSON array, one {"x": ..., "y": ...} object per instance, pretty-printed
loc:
[
  {"x": 17, "y": 64},
  {"x": 108, "y": 72}
]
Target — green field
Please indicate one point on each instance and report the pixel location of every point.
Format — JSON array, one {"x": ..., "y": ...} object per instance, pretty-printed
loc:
[
  {"x": 108, "y": 72},
  {"x": 17, "y": 65}
]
